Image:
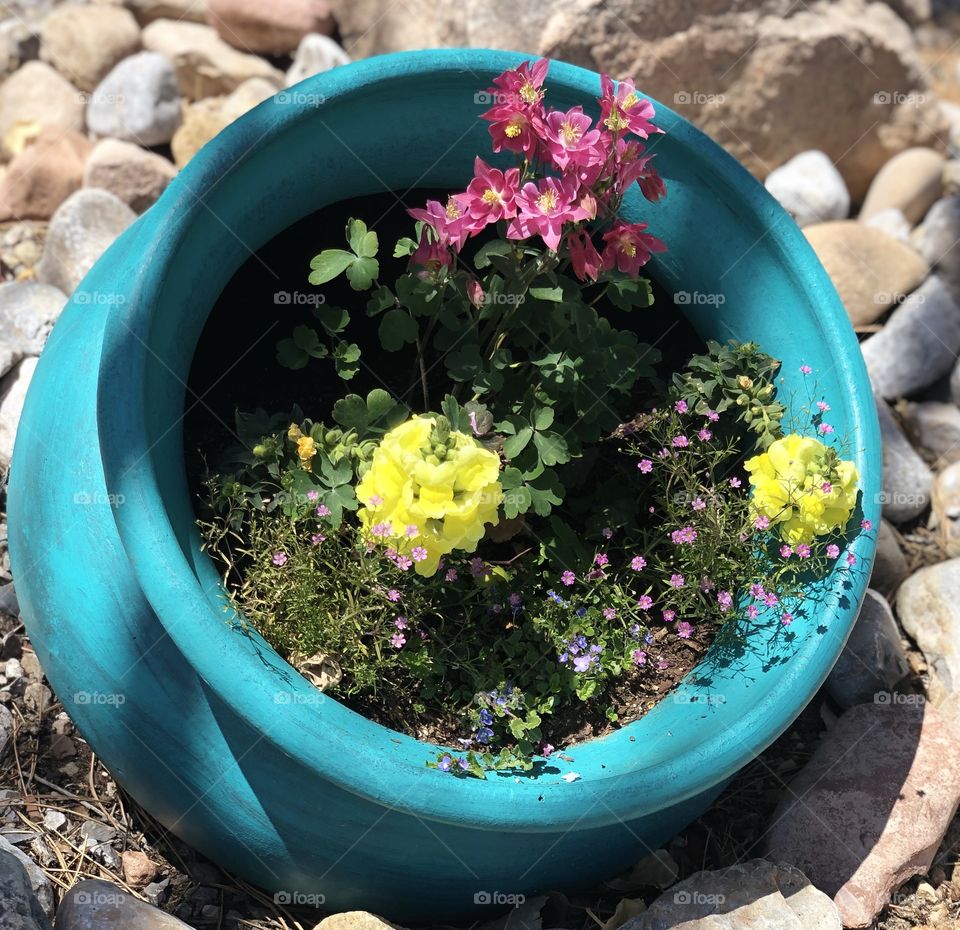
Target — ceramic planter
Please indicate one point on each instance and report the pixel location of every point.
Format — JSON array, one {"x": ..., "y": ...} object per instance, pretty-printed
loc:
[{"x": 208, "y": 728}]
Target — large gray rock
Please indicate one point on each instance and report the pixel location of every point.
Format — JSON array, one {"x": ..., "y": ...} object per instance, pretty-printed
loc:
[
  {"x": 18, "y": 904},
  {"x": 890, "y": 566},
  {"x": 907, "y": 480},
  {"x": 870, "y": 808},
  {"x": 753, "y": 895},
  {"x": 918, "y": 345},
  {"x": 93, "y": 904},
  {"x": 937, "y": 239},
  {"x": 315, "y": 53},
  {"x": 38, "y": 882},
  {"x": 85, "y": 224},
  {"x": 810, "y": 189},
  {"x": 138, "y": 101},
  {"x": 935, "y": 428},
  {"x": 136, "y": 176},
  {"x": 928, "y": 605},
  {"x": 13, "y": 392},
  {"x": 873, "y": 660},
  {"x": 28, "y": 310}
]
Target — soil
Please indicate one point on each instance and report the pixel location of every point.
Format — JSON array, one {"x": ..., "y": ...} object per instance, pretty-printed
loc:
[{"x": 249, "y": 310}]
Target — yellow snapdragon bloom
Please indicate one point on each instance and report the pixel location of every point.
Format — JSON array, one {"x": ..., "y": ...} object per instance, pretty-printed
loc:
[
  {"x": 429, "y": 490},
  {"x": 801, "y": 486}
]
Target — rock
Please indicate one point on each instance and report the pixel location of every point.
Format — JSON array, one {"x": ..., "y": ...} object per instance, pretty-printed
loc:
[
  {"x": 93, "y": 904},
  {"x": 28, "y": 310},
  {"x": 246, "y": 97},
  {"x": 753, "y": 74},
  {"x": 753, "y": 894},
  {"x": 94, "y": 833},
  {"x": 911, "y": 181},
  {"x": 138, "y": 870},
  {"x": 907, "y": 481},
  {"x": 870, "y": 270},
  {"x": 6, "y": 730},
  {"x": 21, "y": 247},
  {"x": 38, "y": 882},
  {"x": 138, "y": 101},
  {"x": 354, "y": 920},
  {"x": 274, "y": 27},
  {"x": 13, "y": 391},
  {"x": 869, "y": 809},
  {"x": 43, "y": 175},
  {"x": 937, "y": 239},
  {"x": 156, "y": 892},
  {"x": 919, "y": 343},
  {"x": 135, "y": 176},
  {"x": 935, "y": 427},
  {"x": 945, "y": 504},
  {"x": 914, "y": 12},
  {"x": 38, "y": 95},
  {"x": 315, "y": 54},
  {"x": 928, "y": 605},
  {"x": 54, "y": 820},
  {"x": 84, "y": 42},
  {"x": 18, "y": 904},
  {"x": 190, "y": 11},
  {"x": 892, "y": 222},
  {"x": 873, "y": 661},
  {"x": 85, "y": 224},
  {"x": 201, "y": 122},
  {"x": 951, "y": 178},
  {"x": 810, "y": 188},
  {"x": 205, "y": 65}
]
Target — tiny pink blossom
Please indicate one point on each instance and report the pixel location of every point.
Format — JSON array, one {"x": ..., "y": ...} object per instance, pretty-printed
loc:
[
  {"x": 785, "y": 551},
  {"x": 704, "y": 435},
  {"x": 826, "y": 487},
  {"x": 684, "y": 629},
  {"x": 375, "y": 500},
  {"x": 451, "y": 575},
  {"x": 752, "y": 612},
  {"x": 397, "y": 640},
  {"x": 419, "y": 553},
  {"x": 639, "y": 657},
  {"x": 323, "y": 510},
  {"x": 823, "y": 406},
  {"x": 680, "y": 442},
  {"x": 279, "y": 558},
  {"x": 403, "y": 563},
  {"x": 609, "y": 613},
  {"x": 393, "y": 595},
  {"x": 312, "y": 495},
  {"x": 757, "y": 591},
  {"x": 662, "y": 664},
  {"x": 401, "y": 623},
  {"x": 412, "y": 531},
  {"x": 381, "y": 530},
  {"x": 786, "y": 619},
  {"x": 638, "y": 563},
  {"x": 713, "y": 416},
  {"x": 803, "y": 550},
  {"x": 771, "y": 599},
  {"x": 568, "y": 577},
  {"x": 317, "y": 538},
  {"x": 698, "y": 503},
  {"x": 866, "y": 525},
  {"x": 851, "y": 559},
  {"x": 725, "y": 600},
  {"x": 607, "y": 532},
  {"x": 805, "y": 369},
  {"x": 762, "y": 522},
  {"x": 680, "y": 406},
  {"x": 645, "y": 466},
  {"x": 825, "y": 429},
  {"x": 601, "y": 558},
  {"x": 645, "y": 602},
  {"x": 676, "y": 580},
  {"x": 669, "y": 616},
  {"x": 735, "y": 482},
  {"x": 833, "y": 551}
]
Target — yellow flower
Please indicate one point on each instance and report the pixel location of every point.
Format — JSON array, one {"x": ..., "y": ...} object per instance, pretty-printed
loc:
[
  {"x": 306, "y": 449},
  {"x": 429, "y": 490},
  {"x": 802, "y": 487}
]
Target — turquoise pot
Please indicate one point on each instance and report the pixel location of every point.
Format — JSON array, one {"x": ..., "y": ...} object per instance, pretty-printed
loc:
[{"x": 208, "y": 728}]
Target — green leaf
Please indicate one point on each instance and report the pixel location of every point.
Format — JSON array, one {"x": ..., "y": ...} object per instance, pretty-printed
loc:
[
  {"x": 543, "y": 418},
  {"x": 362, "y": 273},
  {"x": 333, "y": 319},
  {"x": 380, "y": 300},
  {"x": 380, "y": 405},
  {"x": 514, "y": 445},
  {"x": 356, "y": 230},
  {"x": 405, "y": 246},
  {"x": 351, "y": 412},
  {"x": 397, "y": 328},
  {"x": 307, "y": 339},
  {"x": 495, "y": 247},
  {"x": 627, "y": 293},
  {"x": 328, "y": 264},
  {"x": 465, "y": 363},
  {"x": 290, "y": 355},
  {"x": 346, "y": 358},
  {"x": 552, "y": 448},
  {"x": 553, "y": 294}
]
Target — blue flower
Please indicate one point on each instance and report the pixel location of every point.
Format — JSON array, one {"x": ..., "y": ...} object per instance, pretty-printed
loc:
[
  {"x": 486, "y": 718},
  {"x": 484, "y": 735},
  {"x": 462, "y": 762},
  {"x": 445, "y": 762}
]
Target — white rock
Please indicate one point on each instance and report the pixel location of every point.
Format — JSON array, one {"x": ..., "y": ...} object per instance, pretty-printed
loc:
[
  {"x": 928, "y": 605},
  {"x": 810, "y": 188},
  {"x": 28, "y": 310},
  {"x": 892, "y": 222},
  {"x": 317, "y": 53},
  {"x": 13, "y": 392}
]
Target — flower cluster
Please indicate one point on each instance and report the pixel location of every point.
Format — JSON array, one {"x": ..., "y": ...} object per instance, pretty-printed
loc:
[
  {"x": 432, "y": 487},
  {"x": 571, "y": 171}
]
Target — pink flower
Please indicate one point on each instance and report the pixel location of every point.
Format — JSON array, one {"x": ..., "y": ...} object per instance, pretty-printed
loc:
[
  {"x": 397, "y": 640},
  {"x": 734, "y": 482},
  {"x": 762, "y": 522},
  {"x": 725, "y": 600},
  {"x": 312, "y": 495},
  {"x": 375, "y": 500},
  {"x": 805, "y": 369},
  {"x": 568, "y": 578},
  {"x": 851, "y": 559},
  {"x": 639, "y": 657},
  {"x": 627, "y": 247},
  {"x": 584, "y": 258},
  {"x": 449, "y": 221},
  {"x": 684, "y": 629},
  {"x": 516, "y": 117},
  {"x": 544, "y": 207},
  {"x": 401, "y": 623},
  {"x": 491, "y": 195},
  {"x": 609, "y": 613},
  {"x": 451, "y": 575},
  {"x": 680, "y": 406},
  {"x": 676, "y": 580},
  {"x": 785, "y": 551},
  {"x": 669, "y": 616},
  {"x": 607, "y": 532},
  {"x": 316, "y": 539},
  {"x": 412, "y": 531},
  {"x": 418, "y": 553},
  {"x": 623, "y": 109},
  {"x": 826, "y": 429},
  {"x": 638, "y": 563},
  {"x": 786, "y": 619},
  {"x": 771, "y": 599},
  {"x": 279, "y": 558},
  {"x": 833, "y": 551},
  {"x": 403, "y": 563},
  {"x": 645, "y": 466},
  {"x": 522, "y": 85},
  {"x": 823, "y": 406},
  {"x": 803, "y": 550},
  {"x": 632, "y": 165},
  {"x": 686, "y": 534},
  {"x": 826, "y": 487},
  {"x": 680, "y": 442},
  {"x": 757, "y": 591},
  {"x": 601, "y": 558},
  {"x": 324, "y": 511},
  {"x": 704, "y": 435},
  {"x": 570, "y": 139},
  {"x": 393, "y": 595},
  {"x": 645, "y": 602},
  {"x": 752, "y": 612},
  {"x": 698, "y": 504},
  {"x": 866, "y": 525},
  {"x": 381, "y": 530},
  {"x": 713, "y": 416}
]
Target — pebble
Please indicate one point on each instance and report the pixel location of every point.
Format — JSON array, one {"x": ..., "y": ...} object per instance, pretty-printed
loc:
[
  {"x": 911, "y": 181},
  {"x": 951, "y": 177},
  {"x": 85, "y": 224},
  {"x": 752, "y": 895},
  {"x": 354, "y": 920},
  {"x": 138, "y": 869},
  {"x": 935, "y": 427},
  {"x": 275, "y": 28},
  {"x": 928, "y": 605},
  {"x": 869, "y": 809},
  {"x": 146, "y": 11},
  {"x": 138, "y": 101},
  {"x": 21, "y": 246},
  {"x": 6, "y": 728},
  {"x": 870, "y": 270},
  {"x": 135, "y": 176},
  {"x": 39, "y": 883},
  {"x": 937, "y": 239},
  {"x": 44, "y": 174},
  {"x": 205, "y": 65},
  {"x": 18, "y": 904},
  {"x": 892, "y": 222},
  {"x": 810, "y": 189},
  {"x": 919, "y": 343},
  {"x": 13, "y": 392},
  {"x": 315, "y": 54},
  {"x": 945, "y": 503},
  {"x": 873, "y": 661},
  {"x": 907, "y": 480},
  {"x": 28, "y": 310},
  {"x": 84, "y": 42},
  {"x": 36, "y": 95},
  {"x": 54, "y": 820},
  {"x": 93, "y": 904}
]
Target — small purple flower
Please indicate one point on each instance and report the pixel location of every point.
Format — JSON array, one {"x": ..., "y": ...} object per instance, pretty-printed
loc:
[
  {"x": 419, "y": 553},
  {"x": 445, "y": 762},
  {"x": 645, "y": 602},
  {"x": 770, "y": 599},
  {"x": 486, "y": 718},
  {"x": 686, "y": 534},
  {"x": 638, "y": 563},
  {"x": 681, "y": 406},
  {"x": 833, "y": 551},
  {"x": 514, "y": 601},
  {"x": 752, "y": 612},
  {"x": 866, "y": 525},
  {"x": 787, "y": 618},
  {"x": 546, "y": 749},
  {"x": 397, "y": 640},
  {"x": 568, "y": 577},
  {"x": 639, "y": 657},
  {"x": 381, "y": 530},
  {"x": 762, "y": 522},
  {"x": 312, "y": 495},
  {"x": 601, "y": 559},
  {"x": 451, "y": 575},
  {"x": 785, "y": 551},
  {"x": 645, "y": 466},
  {"x": 607, "y": 532},
  {"x": 757, "y": 591},
  {"x": 826, "y": 487},
  {"x": 680, "y": 442},
  {"x": 375, "y": 500},
  {"x": 669, "y": 616},
  {"x": 279, "y": 558},
  {"x": 403, "y": 563},
  {"x": 713, "y": 416},
  {"x": 851, "y": 559},
  {"x": 393, "y": 595},
  {"x": 704, "y": 435},
  {"x": 317, "y": 538},
  {"x": 725, "y": 600},
  {"x": 734, "y": 482},
  {"x": 803, "y": 550},
  {"x": 478, "y": 567},
  {"x": 412, "y": 531},
  {"x": 484, "y": 735},
  {"x": 401, "y": 623},
  {"x": 609, "y": 613},
  {"x": 323, "y": 510},
  {"x": 684, "y": 629},
  {"x": 676, "y": 580},
  {"x": 698, "y": 504}
]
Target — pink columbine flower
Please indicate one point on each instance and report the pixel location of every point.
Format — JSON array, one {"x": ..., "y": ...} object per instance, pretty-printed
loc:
[
  {"x": 279, "y": 558},
  {"x": 725, "y": 600},
  {"x": 866, "y": 525},
  {"x": 628, "y": 248},
  {"x": 823, "y": 406},
  {"x": 393, "y": 595},
  {"x": 805, "y": 369},
  {"x": 762, "y": 522},
  {"x": 450, "y": 222},
  {"x": 418, "y": 553},
  {"x": 623, "y": 109},
  {"x": 851, "y": 559},
  {"x": 601, "y": 558},
  {"x": 568, "y": 578},
  {"x": 631, "y": 164},
  {"x": 584, "y": 257},
  {"x": 639, "y": 657},
  {"x": 397, "y": 640},
  {"x": 833, "y": 551},
  {"x": 638, "y": 563},
  {"x": 680, "y": 406},
  {"x": 571, "y": 140},
  {"x": 704, "y": 435},
  {"x": 684, "y": 629},
  {"x": 785, "y": 551},
  {"x": 644, "y": 602},
  {"x": 669, "y": 616},
  {"x": 676, "y": 580},
  {"x": 324, "y": 511},
  {"x": 516, "y": 117},
  {"x": 491, "y": 195},
  {"x": 803, "y": 550},
  {"x": 680, "y": 442},
  {"x": 825, "y": 429},
  {"x": 786, "y": 619},
  {"x": 735, "y": 482},
  {"x": 645, "y": 466},
  {"x": 543, "y": 208},
  {"x": 609, "y": 613}
]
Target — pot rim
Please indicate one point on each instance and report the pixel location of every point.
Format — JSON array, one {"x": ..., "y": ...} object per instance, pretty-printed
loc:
[{"x": 358, "y": 755}]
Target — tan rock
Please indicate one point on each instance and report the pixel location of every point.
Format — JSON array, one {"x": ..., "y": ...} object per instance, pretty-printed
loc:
[
  {"x": 912, "y": 181},
  {"x": 951, "y": 177},
  {"x": 868, "y": 811},
  {"x": 44, "y": 174},
  {"x": 201, "y": 122},
  {"x": 354, "y": 920},
  {"x": 928, "y": 605},
  {"x": 206, "y": 66},
  {"x": 246, "y": 97},
  {"x": 136, "y": 176},
  {"x": 184, "y": 11},
  {"x": 138, "y": 870},
  {"x": 274, "y": 27},
  {"x": 84, "y": 42},
  {"x": 871, "y": 270},
  {"x": 946, "y": 508},
  {"x": 37, "y": 94}
]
